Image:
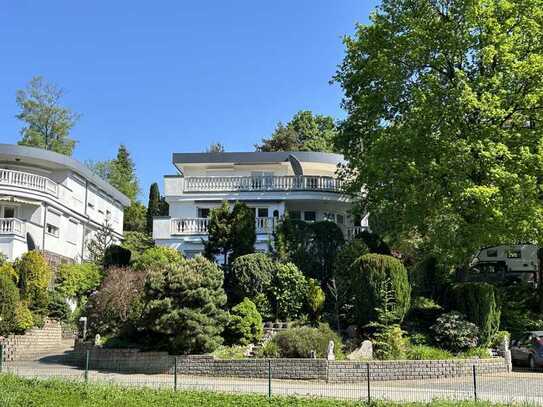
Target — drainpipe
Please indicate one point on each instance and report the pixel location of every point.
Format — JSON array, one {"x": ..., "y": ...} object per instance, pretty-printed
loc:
[{"x": 44, "y": 226}]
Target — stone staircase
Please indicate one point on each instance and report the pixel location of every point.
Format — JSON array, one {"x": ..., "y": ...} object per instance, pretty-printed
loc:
[{"x": 35, "y": 343}]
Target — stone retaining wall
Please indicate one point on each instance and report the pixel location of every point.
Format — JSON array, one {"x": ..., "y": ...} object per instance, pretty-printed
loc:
[
  {"x": 133, "y": 361},
  {"x": 34, "y": 343}
]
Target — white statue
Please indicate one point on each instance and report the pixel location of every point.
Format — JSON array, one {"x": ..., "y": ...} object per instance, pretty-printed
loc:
[{"x": 330, "y": 352}]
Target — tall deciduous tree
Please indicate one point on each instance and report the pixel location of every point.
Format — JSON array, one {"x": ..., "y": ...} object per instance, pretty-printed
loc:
[
  {"x": 47, "y": 123},
  {"x": 445, "y": 105},
  {"x": 305, "y": 132}
]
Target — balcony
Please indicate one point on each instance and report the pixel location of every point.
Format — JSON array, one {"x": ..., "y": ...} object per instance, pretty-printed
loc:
[
  {"x": 12, "y": 226},
  {"x": 199, "y": 226},
  {"x": 258, "y": 184},
  {"x": 28, "y": 181}
]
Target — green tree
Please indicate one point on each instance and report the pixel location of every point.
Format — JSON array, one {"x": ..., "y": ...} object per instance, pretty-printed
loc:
[
  {"x": 137, "y": 243},
  {"x": 304, "y": 132},
  {"x": 372, "y": 270},
  {"x": 245, "y": 324},
  {"x": 184, "y": 306},
  {"x": 34, "y": 278},
  {"x": 443, "y": 130},
  {"x": 157, "y": 206},
  {"x": 47, "y": 123},
  {"x": 480, "y": 304},
  {"x": 250, "y": 276},
  {"x": 315, "y": 299},
  {"x": 135, "y": 218},
  {"x": 75, "y": 280},
  {"x": 157, "y": 257},
  {"x": 288, "y": 292},
  {"x": 123, "y": 174},
  {"x": 230, "y": 233},
  {"x": 9, "y": 298}
]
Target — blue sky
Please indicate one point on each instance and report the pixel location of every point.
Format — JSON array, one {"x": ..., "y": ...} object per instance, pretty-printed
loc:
[{"x": 175, "y": 76}]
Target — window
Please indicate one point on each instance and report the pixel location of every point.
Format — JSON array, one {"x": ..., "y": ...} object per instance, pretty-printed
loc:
[
  {"x": 492, "y": 253},
  {"x": 310, "y": 216},
  {"x": 71, "y": 232},
  {"x": 513, "y": 254},
  {"x": 203, "y": 212},
  {"x": 52, "y": 230},
  {"x": 262, "y": 212},
  {"x": 9, "y": 212},
  {"x": 295, "y": 215},
  {"x": 340, "y": 219},
  {"x": 330, "y": 216}
]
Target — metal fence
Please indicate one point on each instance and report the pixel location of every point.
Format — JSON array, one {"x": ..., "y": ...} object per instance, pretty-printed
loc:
[{"x": 520, "y": 386}]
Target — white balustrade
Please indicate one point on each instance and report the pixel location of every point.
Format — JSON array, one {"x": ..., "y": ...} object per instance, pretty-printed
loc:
[
  {"x": 190, "y": 226},
  {"x": 263, "y": 183},
  {"x": 12, "y": 226},
  {"x": 28, "y": 180}
]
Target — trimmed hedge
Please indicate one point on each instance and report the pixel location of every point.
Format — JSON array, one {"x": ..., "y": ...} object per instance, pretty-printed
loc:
[{"x": 9, "y": 299}]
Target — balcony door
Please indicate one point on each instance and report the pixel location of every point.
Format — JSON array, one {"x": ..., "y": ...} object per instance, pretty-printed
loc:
[{"x": 8, "y": 212}]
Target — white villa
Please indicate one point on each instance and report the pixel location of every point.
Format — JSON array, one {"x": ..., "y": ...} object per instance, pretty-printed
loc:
[
  {"x": 53, "y": 203},
  {"x": 302, "y": 184}
]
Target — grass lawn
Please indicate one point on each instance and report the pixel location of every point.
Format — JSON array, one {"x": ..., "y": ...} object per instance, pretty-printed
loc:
[{"x": 15, "y": 391}]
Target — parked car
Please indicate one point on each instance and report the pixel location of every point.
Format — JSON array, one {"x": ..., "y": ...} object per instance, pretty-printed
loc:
[{"x": 528, "y": 349}]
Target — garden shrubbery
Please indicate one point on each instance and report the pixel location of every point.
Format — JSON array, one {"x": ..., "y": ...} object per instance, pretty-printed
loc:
[
  {"x": 245, "y": 324},
  {"x": 300, "y": 342}
]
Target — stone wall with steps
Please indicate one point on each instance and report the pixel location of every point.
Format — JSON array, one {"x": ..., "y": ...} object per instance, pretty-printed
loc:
[
  {"x": 133, "y": 361},
  {"x": 34, "y": 343}
]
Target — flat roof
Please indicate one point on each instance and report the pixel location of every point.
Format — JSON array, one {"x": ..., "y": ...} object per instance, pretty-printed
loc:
[
  {"x": 256, "y": 157},
  {"x": 56, "y": 160}
]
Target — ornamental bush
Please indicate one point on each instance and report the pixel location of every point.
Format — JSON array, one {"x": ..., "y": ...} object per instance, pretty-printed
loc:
[
  {"x": 156, "y": 257},
  {"x": 250, "y": 275},
  {"x": 116, "y": 307},
  {"x": 9, "y": 298},
  {"x": 479, "y": 303},
  {"x": 372, "y": 271},
  {"x": 288, "y": 292},
  {"x": 300, "y": 342},
  {"x": 34, "y": 278},
  {"x": 75, "y": 280},
  {"x": 245, "y": 324},
  {"x": 184, "y": 306},
  {"x": 24, "y": 317},
  {"x": 453, "y": 332},
  {"x": 116, "y": 255},
  {"x": 8, "y": 269}
]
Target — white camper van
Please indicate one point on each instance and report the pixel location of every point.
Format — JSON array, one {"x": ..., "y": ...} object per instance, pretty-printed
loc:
[{"x": 506, "y": 263}]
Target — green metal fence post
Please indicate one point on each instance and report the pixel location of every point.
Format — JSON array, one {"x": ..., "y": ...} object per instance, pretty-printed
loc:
[
  {"x": 175, "y": 373},
  {"x": 1, "y": 357},
  {"x": 269, "y": 379},
  {"x": 474, "y": 383},
  {"x": 87, "y": 358},
  {"x": 368, "y": 381}
]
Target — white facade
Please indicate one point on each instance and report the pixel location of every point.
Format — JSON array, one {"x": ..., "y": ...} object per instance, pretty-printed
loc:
[
  {"x": 301, "y": 184},
  {"x": 52, "y": 203}
]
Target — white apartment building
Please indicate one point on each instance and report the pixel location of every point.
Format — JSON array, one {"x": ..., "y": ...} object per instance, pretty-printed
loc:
[
  {"x": 53, "y": 203},
  {"x": 302, "y": 184}
]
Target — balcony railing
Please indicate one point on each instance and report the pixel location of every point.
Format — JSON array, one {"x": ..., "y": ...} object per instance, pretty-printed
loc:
[
  {"x": 264, "y": 183},
  {"x": 12, "y": 226},
  {"x": 28, "y": 180},
  {"x": 199, "y": 226}
]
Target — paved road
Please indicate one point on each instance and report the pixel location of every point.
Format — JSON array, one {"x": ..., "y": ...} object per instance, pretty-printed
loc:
[{"x": 512, "y": 387}]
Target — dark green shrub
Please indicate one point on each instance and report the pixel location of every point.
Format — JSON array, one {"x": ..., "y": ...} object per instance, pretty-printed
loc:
[
  {"x": 34, "y": 278},
  {"x": 245, "y": 324},
  {"x": 184, "y": 306},
  {"x": 453, "y": 332},
  {"x": 117, "y": 256},
  {"x": 156, "y": 257},
  {"x": 312, "y": 247},
  {"x": 249, "y": 276},
  {"x": 479, "y": 303},
  {"x": 137, "y": 243},
  {"x": 422, "y": 315},
  {"x": 373, "y": 270},
  {"x": 58, "y": 308},
  {"x": 288, "y": 292},
  {"x": 9, "y": 298},
  {"x": 425, "y": 352},
  {"x": 299, "y": 342}
]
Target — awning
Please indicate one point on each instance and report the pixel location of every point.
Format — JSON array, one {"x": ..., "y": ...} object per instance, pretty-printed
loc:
[{"x": 15, "y": 199}]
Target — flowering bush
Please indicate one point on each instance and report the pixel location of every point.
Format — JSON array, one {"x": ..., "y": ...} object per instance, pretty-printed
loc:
[{"x": 454, "y": 333}]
